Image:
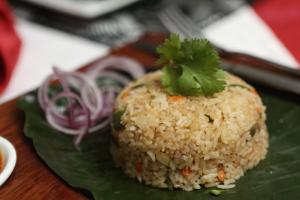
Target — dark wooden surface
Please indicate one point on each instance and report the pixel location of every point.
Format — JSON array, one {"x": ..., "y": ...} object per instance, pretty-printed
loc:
[{"x": 32, "y": 179}]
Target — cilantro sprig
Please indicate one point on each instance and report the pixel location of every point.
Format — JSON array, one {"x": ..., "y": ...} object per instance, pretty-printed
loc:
[{"x": 190, "y": 67}]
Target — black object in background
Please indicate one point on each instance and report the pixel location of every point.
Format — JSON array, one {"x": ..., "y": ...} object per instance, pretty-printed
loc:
[{"x": 128, "y": 24}]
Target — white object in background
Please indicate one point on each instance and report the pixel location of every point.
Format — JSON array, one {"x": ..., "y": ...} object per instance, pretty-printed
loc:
[
  {"x": 43, "y": 48},
  {"x": 83, "y": 8},
  {"x": 9, "y": 154},
  {"x": 244, "y": 31}
]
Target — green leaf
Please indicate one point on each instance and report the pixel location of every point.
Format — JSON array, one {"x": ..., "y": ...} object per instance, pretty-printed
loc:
[
  {"x": 191, "y": 67},
  {"x": 116, "y": 119},
  {"x": 92, "y": 169},
  {"x": 170, "y": 50},
  {"x": 169, "y": 81}
]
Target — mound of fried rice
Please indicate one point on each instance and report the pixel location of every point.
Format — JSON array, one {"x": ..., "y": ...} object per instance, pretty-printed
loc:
[{"x": 189, "y": 142}]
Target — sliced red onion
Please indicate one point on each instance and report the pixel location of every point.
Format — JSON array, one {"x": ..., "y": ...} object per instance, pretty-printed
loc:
[
  {"x": 43, "y": 92},
  {"x": 100, "y": 125},
  {"x": 115, "y": 76},
  {"x": 89, "y": 107},
  {"x": 119, "y": 63}
]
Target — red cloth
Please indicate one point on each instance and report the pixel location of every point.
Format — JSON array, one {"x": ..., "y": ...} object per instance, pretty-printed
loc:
[
  {"x": 10, "y": 45},
  {"x": 283, "y": 17}
]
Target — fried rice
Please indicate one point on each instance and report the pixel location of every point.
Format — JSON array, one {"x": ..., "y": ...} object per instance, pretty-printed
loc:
[{"x": 189, "y": 142}]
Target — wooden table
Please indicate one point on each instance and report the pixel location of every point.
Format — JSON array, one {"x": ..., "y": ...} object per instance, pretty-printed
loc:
[{"x": 32, "y": 179}]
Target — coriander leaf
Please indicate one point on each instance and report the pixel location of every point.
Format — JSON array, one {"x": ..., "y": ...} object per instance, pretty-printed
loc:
[
  {"x": 170, "y": 50},
  {"x": 191, "y": 67},
  {"x": 169, "y": 81},
  {"x": 186, "y": 83}
]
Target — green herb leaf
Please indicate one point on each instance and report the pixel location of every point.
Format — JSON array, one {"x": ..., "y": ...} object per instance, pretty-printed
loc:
[
  {"x": 210, "y": 119},
  {"x": 116, "y": 120},
  {"x": 191, "y": 67},
  {"x": 253, "y": 130},
  {"x": 137, "y": 86}
]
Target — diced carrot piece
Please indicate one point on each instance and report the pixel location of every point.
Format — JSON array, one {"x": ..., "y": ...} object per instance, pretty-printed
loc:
[
  {"x": 125, "y": 94},
  {"x": 139, "y": 167},
  {"x": 221, "y": 175},
  {"x": 221, "y": 172},
  {"x": 176, "y": 98},
  {"x": 253, "y": 91},
  {"x": 258, "y": 109},
  {"x": 185, "y": 171}
]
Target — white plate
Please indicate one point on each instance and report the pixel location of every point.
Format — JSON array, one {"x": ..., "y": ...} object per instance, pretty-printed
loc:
[
  {"x": 85, "y": 9},
  {"x": 8, "y": 152}
]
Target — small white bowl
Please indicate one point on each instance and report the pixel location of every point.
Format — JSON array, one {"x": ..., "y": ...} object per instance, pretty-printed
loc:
[{"x": 9, "y": 158}]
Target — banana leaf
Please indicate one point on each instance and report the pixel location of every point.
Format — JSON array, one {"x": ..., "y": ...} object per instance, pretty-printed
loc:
[{"x": 91, "y": 169}]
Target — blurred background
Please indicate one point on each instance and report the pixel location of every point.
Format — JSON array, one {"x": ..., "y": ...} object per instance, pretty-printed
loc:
[
  {"x": 117, "y": 24},
  {"x": 71, "y": 33}
]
